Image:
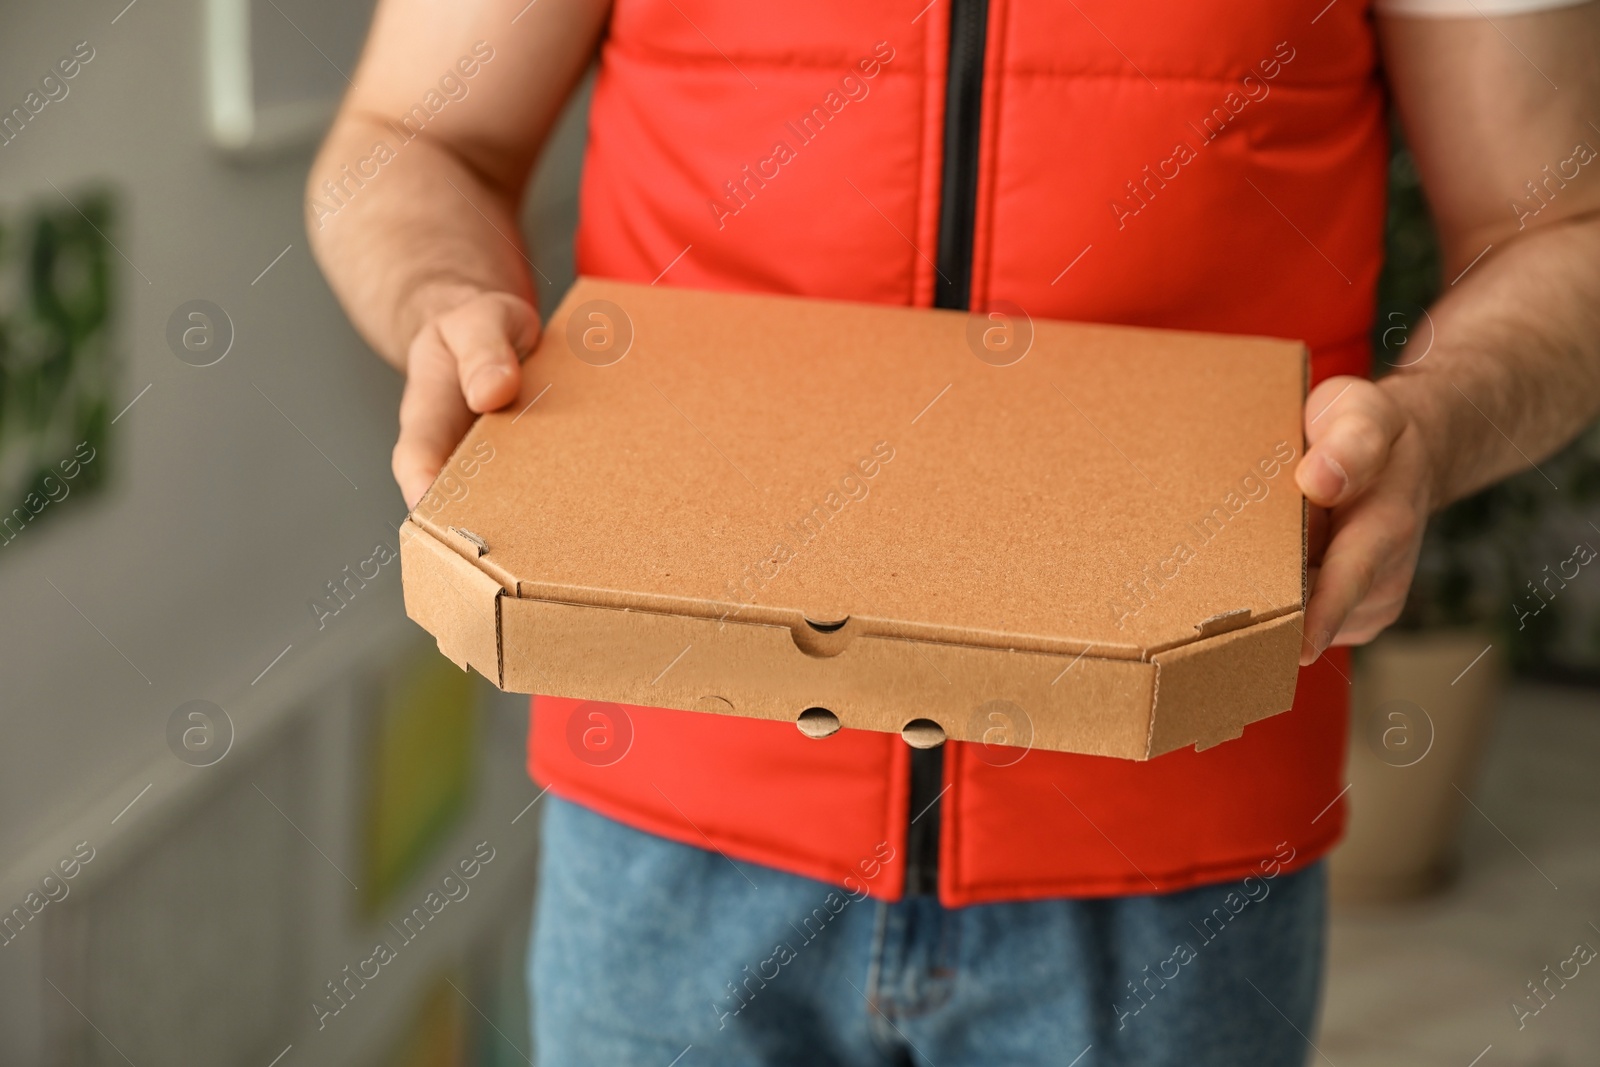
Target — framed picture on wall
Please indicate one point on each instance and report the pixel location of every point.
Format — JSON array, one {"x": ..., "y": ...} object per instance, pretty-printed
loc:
[
  {"x": 276, "y": 69},
  {"x": 56, "y": 356}
]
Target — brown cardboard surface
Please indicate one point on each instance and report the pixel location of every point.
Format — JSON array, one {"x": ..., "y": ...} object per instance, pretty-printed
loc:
[
  {"x": 1104, "y": 534},
  {"x": 453, "y": 600}
]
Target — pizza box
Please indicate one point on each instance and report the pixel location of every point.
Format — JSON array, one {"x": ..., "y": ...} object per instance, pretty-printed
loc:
[{"x": 977, "y": 527}]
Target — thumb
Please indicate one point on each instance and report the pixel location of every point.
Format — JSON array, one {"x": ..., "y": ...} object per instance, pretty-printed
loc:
[
  {"x": 489, "y": 336},
  {"x": 1351, "y": 425},
  {"x": 433, "y": 418}
]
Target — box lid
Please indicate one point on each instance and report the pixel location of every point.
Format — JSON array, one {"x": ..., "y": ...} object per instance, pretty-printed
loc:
[{"x": 845, "y": 471}]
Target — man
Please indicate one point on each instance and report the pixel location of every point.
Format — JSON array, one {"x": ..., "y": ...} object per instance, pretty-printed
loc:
[{"x": 733, "y": 893}]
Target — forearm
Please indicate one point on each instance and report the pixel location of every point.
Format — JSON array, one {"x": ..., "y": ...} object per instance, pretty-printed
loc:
[
  {"x": 1513, "y": 371},
  {"x": 423, "y": 235},
  {"x": 1512, "y": 365}
]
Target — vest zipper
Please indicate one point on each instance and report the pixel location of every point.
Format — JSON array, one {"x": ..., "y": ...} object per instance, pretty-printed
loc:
[
  {"x": 958, "y": 203},
  {"x": 958, "y": 196}
]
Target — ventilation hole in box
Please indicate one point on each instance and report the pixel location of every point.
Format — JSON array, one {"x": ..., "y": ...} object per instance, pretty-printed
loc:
[
  {"x": 923, "y": 733},
  {"x": 818, "y": 722},
  {"x": 822, "y": 639}
]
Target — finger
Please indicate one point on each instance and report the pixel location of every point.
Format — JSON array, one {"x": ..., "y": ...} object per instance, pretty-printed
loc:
[
  {"x": 1371, "y": 552},
  {"x": 1375, "y": 614},
  {"x": 1318, "y": 529},
  {"x": 433, "y": 416},
  {"x": 488, "y": 336},
  {"x": 1382, "y": 605},
  {"x": 1351, "y": 425},
  {"x": 1343, "y": 579}
]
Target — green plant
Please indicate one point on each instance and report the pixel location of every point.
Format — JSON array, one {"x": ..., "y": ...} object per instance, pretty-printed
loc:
[{"x": 56, "y": 283}]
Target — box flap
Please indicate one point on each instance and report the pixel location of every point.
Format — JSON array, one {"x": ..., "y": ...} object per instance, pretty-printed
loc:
[
  {"x": 451, "y": 599},
  {"x": 1207, "y": 692},
  {"x": 776, "y": 460}
]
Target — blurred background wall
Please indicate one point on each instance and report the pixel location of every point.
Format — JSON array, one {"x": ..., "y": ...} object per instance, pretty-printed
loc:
[
  {"x": 181, "y": 563},
  {"x": 228, "y": 767}
]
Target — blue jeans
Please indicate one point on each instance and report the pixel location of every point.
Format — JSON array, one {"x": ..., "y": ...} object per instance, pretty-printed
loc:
[{"x": 651, "y": 953}]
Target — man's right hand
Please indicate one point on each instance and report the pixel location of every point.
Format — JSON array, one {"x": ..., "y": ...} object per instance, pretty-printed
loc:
[
  {"x": 413, "y": 205},
  {"x": 464, "y": 360}
]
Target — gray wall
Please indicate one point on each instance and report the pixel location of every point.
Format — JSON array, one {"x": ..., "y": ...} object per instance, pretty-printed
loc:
[{"x": 224, "y": 515}]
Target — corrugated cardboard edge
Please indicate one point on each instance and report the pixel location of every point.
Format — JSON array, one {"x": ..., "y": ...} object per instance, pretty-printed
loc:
[
  {"x": 453, "y": 600},
  {"x": 1201, "y": 693},
  {"x": 1305, "y": 505},
  {"x": 755, "y": 670},
  {"x": 1224, "y": 683}
]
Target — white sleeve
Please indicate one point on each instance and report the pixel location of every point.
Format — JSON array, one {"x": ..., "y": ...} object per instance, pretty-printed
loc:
[{"x": 1452, "y": 9}]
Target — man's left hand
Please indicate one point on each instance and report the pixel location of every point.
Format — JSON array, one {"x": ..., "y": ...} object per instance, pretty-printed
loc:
[{"x": 1367, "y": 476}]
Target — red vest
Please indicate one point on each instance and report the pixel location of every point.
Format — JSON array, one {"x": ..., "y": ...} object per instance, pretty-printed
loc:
[{"x": 1213, "y": 165}]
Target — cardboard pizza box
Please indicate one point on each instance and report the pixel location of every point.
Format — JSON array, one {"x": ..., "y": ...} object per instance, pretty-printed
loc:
[{"x": 990, "y": 528}]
